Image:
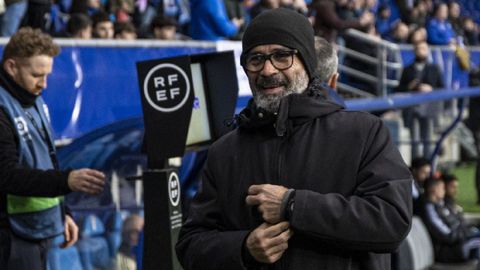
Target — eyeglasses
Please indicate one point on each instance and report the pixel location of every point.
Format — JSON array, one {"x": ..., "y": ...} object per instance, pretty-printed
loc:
[{"x": 281, "y": 60}]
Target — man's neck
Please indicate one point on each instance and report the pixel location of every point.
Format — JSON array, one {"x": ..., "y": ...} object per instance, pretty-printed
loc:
[{"x": 25, "y": 98}]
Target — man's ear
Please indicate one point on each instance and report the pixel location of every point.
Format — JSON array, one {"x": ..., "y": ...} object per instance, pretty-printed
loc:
[
  {"x": 332, "y": 82},
  {"x": 10, "y": 66}
]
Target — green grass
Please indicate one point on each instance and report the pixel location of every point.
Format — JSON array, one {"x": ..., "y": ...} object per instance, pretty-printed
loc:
[{"x": 467, "y": 195}]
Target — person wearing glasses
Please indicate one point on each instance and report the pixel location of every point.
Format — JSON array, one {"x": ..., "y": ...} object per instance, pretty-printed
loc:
[{"x": 300, "y": 183}]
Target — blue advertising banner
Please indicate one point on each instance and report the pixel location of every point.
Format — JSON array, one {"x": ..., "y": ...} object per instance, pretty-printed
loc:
[{"x": 94, "y": 86}]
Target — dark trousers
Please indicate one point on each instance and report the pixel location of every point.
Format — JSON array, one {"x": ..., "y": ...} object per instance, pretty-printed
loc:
[
  {"x": 20, "y": 254},
  {"x": 421, "y": 132}
]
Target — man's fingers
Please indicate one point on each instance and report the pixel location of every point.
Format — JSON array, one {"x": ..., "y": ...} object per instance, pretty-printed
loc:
[
  {"x": 282, "y": 238},
  {"x": 277, "y": 229},
  {"x": 254, "y": 189},
  {"x": 253, "y": 200},
  {"x": 95, "y": 173},
  {"x": 276, "y": 249}
]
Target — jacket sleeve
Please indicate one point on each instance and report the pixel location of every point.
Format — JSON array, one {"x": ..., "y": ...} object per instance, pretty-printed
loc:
[
  {"x": 439, "y": 230},
  {"x": 377, "y": 217},
  {"x": 220, "y": 21},
  {"x": 204, "y": 242},
  {"x": 21, "y": 181}
]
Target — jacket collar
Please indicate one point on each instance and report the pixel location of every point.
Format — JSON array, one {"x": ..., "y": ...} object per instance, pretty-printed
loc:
[
  {"x": 295, "y": 109},
  {"x": 25, "y": 98}
]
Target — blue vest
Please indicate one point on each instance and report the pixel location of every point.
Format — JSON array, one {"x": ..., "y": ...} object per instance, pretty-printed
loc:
[{"x": 32, "y": 217}]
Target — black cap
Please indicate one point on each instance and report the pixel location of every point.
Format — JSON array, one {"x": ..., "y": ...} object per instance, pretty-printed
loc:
[{"x": 283, "y": 27}]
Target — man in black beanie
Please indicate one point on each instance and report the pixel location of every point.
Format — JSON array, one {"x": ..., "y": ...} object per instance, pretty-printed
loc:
[{"x": 300, "y": 183}]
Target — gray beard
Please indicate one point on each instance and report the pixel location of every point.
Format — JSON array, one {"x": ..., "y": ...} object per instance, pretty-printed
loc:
[{"x": 271, "y": 102}]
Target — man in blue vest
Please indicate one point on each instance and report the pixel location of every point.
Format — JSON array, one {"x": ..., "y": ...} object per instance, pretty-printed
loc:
[{"x": 31, "y": 212}]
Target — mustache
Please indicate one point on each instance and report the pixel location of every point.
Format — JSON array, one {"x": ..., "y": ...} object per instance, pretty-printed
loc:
[{"x": 271, "y": 81}]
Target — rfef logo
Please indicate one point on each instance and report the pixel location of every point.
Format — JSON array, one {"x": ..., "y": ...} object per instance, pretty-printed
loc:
[
  {"x": 166, "y": 87},
  {"x": 174, "y": 189}
]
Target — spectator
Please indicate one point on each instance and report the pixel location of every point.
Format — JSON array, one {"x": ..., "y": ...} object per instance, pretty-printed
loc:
[
  {"x": 300, "y": 184},
  {"x": 125, "y": 31},
  {"x": 327, "y": 22},
  {"x": 451, "y": 188},
  {"x": 79, "y": 26},
  {"x": 418, "y": 15},
  {"x": 165, "y": 28},
  {"x": 31, "y": 214},
  {"x": 399, "y": 33},
  {"x": 297, "y": 5},
  {"x": 421, "y": 171},
  {"x": 177, "y": 9},
  {"x": 87, "y": 7},
  {"x": 327, "y": 62},
  {"x": 102, "y": 25},
  {"x": 131, "y": 229},
  {"x": 454, "y": 18},
  {"x": 235, "y": 10},
  {"x": 440, "y": 31},
  {"x": 123, "y": 10},
  {"x": 12, "y": 17},
  {"x": 453, "y": 240},
  {"x": 210, "y": 21},
  {"x": 382, "y": 23},
  {"x": 470, "y": 31},
  {"x": 418, "y": 35},
  {"x": 37, "y": 14},
  {"x": 263, "y": 5},
  {"x": 421, "y": 77},
  {"x": 327, "y": 68}
]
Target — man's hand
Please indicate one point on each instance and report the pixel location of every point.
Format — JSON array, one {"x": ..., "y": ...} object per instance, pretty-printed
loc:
[
  {"x": 267, "y": 243},
  {"x": 425, "y": 88},
  {"x": 86, "y": 180},
  {"x": 71, "y": 232},
  {"x": 269, "y": 201}
]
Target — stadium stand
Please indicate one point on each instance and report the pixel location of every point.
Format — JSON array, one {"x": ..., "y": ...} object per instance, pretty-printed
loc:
[
  {"x": 59, "y": 258},
  {"x": 93, "y": 247},
  {"x": 416, "y": 252}
]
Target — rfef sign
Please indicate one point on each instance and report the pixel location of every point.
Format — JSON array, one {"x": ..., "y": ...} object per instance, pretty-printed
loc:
[
  {"x": 167, "y": 99},
  {"x": 167, "y": 87}
]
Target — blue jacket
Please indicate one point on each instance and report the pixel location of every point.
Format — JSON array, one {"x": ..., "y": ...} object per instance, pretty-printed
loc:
[
  {"x": 209, "y": 20},
  {"x": 439, "y": 33}
]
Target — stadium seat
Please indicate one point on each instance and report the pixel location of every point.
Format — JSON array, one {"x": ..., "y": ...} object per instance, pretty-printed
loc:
[
  {"x": 93, "y": 246},
  {"x": 416, "y": 252},
  {"x": 113, "y": 232},
  {"x": 59, "y": 259}
]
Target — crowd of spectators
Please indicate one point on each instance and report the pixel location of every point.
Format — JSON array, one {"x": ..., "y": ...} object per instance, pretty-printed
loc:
[
  {"x": 436, "y": 21},
  {"x": 434, "y": 201}
]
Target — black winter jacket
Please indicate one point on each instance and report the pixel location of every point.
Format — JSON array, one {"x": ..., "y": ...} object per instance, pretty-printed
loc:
[{"x": 353, "y": 201}]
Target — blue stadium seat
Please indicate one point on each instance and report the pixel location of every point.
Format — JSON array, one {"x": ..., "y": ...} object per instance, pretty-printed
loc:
[
  {"x": 59, "y": 259},
  {"x": 93, "y": 246},
  {"x": 113, "y": 232}
]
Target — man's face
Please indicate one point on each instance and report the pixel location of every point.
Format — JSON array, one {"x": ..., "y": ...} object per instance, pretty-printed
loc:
[
  {"x": 165, "y": 33},
  {"x": 442, "y": 12},
  {"x": 270, "y": 85},
  {"x": 439, "y": 191},
  {"x": 451, "y": 189},
  {"x": 421, "y": 174},
  {"x": 30, "y": 73},
  {"x": 104, "y": 29},
  {"x": 421, "y": 51}
]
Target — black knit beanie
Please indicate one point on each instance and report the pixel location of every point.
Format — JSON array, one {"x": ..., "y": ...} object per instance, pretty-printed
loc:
[{"x": 283, "y": 27}]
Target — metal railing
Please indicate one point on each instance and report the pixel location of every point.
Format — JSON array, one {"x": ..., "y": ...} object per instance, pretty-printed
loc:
[{"x": 382, "y": 61}]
